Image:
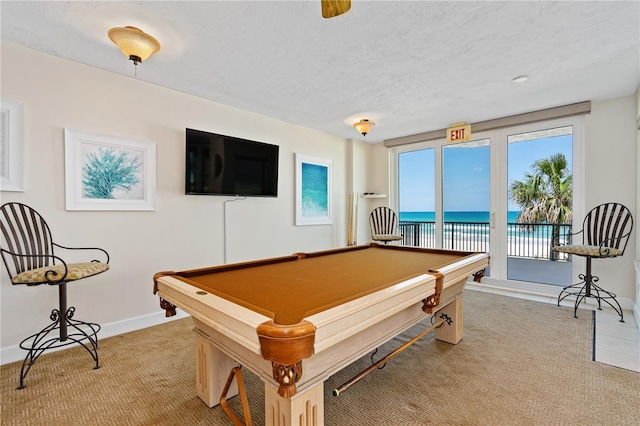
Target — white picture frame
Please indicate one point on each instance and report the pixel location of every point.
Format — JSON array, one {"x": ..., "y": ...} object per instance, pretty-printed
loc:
[
  {"x": 313, "y": 190},
  {"x": 11, "y": 141},
  {"x": 133, "y": 162}
]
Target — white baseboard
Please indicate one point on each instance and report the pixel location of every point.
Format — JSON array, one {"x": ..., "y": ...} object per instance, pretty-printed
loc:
[
  {"x": 14, "y": 353},
  {"x": 540, "y": 292}
]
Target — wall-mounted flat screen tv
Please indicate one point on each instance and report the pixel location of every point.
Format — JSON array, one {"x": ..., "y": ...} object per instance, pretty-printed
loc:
[{"x": 225, "y": 165}]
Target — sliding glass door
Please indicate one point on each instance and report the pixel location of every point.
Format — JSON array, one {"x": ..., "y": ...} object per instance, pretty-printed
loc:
[
  {"x": 473, "y": 196},
  {"x": 444, "y": 195}
]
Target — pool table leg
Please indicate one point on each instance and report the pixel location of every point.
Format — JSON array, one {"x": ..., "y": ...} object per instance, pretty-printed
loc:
[
  {"x": 212, "y": 369},
  {"x": 452, "y": 333},
  {"x": 304, "y": 408}
]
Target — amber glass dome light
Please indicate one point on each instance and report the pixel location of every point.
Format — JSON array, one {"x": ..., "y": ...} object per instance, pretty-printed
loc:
[
  {"x": 364, "y": 125},
  {"x": 134, "y": 43}
]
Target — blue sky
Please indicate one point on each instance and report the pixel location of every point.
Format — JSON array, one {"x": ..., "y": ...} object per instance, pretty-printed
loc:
[{"x": 467, "y": 172}]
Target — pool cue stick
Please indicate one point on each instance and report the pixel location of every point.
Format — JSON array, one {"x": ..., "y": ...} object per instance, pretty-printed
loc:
[{"x": 366, "y": 372}]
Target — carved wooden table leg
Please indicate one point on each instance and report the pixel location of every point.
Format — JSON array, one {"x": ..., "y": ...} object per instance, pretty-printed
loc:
[{"x": 212, "y": 366}]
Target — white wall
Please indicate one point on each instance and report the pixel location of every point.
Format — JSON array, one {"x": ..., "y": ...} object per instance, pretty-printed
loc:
[
  {"x": 359, "y": 154},
  {"x": 184, "y": 231},
  {"x": 610, "y": 170},
  {"x": 370, "y": 174},
  {"x": 377, "y": 181}
]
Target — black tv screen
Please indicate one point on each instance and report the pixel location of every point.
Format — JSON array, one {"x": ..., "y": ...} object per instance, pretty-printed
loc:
[{"x": 225, "y": 165}]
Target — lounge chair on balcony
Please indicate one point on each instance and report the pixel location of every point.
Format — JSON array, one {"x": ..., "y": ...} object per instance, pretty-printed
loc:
[{"x": 605, "y": 234}]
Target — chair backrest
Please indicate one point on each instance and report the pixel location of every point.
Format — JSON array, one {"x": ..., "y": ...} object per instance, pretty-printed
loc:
[
  {"x": 26, "y": 239},
  {"x": 609, "y": 224},
  {"x": 383, "y": 220}
]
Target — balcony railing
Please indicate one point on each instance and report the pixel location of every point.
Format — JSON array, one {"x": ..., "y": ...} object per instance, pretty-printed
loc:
[{"x": 532, "y": 240}]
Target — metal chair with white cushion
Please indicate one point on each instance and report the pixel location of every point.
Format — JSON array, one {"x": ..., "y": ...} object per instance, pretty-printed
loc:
[
  {"x": 605, "y": 233},
  {"x": 28, "y": 255},
  {"x": 384, "y": 225}
]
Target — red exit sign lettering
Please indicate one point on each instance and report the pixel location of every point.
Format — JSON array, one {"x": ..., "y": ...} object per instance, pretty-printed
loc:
[{"x": 459, "y": 133}]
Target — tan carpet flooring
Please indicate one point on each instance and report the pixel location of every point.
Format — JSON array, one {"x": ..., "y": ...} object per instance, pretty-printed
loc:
[{"x": 520, "y": 363}]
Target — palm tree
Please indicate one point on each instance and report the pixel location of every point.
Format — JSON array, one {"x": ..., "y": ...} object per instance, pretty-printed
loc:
[{"x": 545, "y": 195}]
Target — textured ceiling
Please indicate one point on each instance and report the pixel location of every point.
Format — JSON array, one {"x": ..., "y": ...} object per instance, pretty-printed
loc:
[{"x": 409, "y": 66}]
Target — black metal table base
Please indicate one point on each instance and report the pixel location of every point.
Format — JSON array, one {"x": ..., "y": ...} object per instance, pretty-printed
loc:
[
  {"x": 63, "y": 331},
  {"x": 588, "y": 288}
]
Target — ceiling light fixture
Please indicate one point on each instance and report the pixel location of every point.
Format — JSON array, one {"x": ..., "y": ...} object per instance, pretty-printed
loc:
[
  {"x": 520, "y": 79},
  {"x": 134, "y": 43},
  {"x": 363, "y": 126},
  {"x": 333, "y": 8}
]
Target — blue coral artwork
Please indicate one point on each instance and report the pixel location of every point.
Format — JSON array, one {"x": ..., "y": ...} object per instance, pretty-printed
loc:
[
  {"x": 112, "y": 173},
  {"x": 109, "y": 172}
]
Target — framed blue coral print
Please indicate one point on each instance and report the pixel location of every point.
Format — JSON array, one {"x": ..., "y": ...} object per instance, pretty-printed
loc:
[
  {"x": 108, "y": 172},
  {"x": 313, "y": 190}
]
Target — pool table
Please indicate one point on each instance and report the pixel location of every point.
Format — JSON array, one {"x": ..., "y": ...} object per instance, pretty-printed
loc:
[{"x": 320, "y": 310}]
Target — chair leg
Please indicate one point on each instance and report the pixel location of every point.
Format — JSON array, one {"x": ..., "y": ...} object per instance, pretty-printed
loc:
[
  {"x": 606, "y": 298},
  {"x": 70, "y": 331},
  {"x": 587, "y": 288},
  {"x": 577, "y": 290}
]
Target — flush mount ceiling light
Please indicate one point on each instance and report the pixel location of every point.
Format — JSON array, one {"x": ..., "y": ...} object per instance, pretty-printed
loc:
[
  {"x": 363, "y": 126},
  {"x": 520, "y": 79},
  {"x": 134, "y": 43}
]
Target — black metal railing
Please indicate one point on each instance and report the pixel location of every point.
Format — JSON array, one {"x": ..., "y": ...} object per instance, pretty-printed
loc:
[{"x": 531, "y": 240}]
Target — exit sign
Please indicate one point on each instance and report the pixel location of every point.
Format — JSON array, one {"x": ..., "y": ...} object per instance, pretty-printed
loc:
[{"x": 459, "y": 132}]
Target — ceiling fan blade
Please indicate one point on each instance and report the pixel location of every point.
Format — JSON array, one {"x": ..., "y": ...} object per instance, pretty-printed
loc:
[{"x": 332, "y": 8}]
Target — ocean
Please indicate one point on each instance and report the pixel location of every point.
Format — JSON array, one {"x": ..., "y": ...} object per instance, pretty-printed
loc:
[
  {"x": 518, "y": 233},
  {"x": 473, "y": 217}
]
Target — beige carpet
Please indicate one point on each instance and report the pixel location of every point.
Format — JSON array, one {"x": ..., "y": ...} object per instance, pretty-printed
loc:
[{"x": 520, "y": 363}]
